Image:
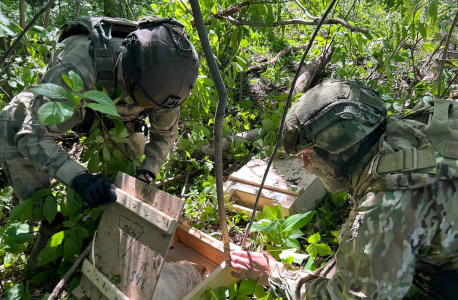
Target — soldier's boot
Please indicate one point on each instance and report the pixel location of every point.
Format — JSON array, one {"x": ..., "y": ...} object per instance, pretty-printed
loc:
[{"x": 45, "y": 232}]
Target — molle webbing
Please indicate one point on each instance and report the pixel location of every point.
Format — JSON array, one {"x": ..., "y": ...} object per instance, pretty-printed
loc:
[
  {"x": 406, "y": 160},
  {"x": 442, "y": 130}
]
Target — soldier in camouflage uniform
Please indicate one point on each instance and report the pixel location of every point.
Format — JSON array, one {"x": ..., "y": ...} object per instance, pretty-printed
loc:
[
  {"x": 401, "y": 175},
  {"x": 155, "y": 68}
]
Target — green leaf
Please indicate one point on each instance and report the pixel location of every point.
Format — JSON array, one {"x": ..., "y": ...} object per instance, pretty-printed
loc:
[
  {"x": 77, "y": 82},
  {"x": 314, "y": 238},
  {"x": 118, "y": 139},
  {"x": 100, "y": 139},
  {"x": 68, "y": 81},
  {"x": 50, "y": 209},
  {"x": 423, "y": 30},
  {"x": 259, "y": 291},
  {"x": 247, "y": 287},
  {"x": 50, "y": 90},
  {"x": 103, "y": 109},
  {"x": 272, "y": 226},
  {"x": 324, "y": 249},
  {"x": 310, "y": 265},
  {"x": 15, "y": 293},
  {"x": 23, "y": 210},
  {"x": 93, "y": 164},
  {"x": 56, "y": 239},
  {"x": 272, "y": 213},
  {"x": 54, "y": 113},
  {"x": 73, "y": 202},
  {"x": 298, "y": 221},
  {"x": 298, "y": 258},
  {"x": 106, "y": 104},
  {"x": 432, "y": 11},
  {"x": 233, "y": 289},
  {"x": 106, "y": 154},
  {"x": 71, "y": 249},
  {"x": 212, "y": 294},
  {"x": 41, "y": 277},
  {"x": 47, "y": 255}
]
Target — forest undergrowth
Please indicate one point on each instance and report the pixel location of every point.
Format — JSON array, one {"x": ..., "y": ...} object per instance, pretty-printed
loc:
[{"x": 405, "y": 50}]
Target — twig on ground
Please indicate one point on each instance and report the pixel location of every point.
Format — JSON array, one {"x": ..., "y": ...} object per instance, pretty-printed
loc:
[
  {"x": 55, "y": 293},
  {"x": 444, "y": 55}
]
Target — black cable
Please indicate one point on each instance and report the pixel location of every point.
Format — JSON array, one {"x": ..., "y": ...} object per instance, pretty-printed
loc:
[{"x": 282, "y": 124}]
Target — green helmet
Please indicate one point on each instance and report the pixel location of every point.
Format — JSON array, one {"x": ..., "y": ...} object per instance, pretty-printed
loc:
[{"x": 333, "y": 116}]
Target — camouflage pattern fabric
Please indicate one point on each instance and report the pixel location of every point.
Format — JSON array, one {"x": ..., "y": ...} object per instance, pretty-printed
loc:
[
  {"x": 28, "y": 149},
  {"x": 402, "y": 222}
]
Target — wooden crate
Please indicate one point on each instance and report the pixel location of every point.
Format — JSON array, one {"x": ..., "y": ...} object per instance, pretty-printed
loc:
[
  {"x": 287, "y": 184},
  {"x": 135, "y": 236}
]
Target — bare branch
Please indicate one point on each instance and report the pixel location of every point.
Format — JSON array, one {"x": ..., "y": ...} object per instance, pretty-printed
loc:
[
  {"x": 296, "y": 22},
  {"x": 444, "y": 55},
  {"x": 55, "y": 293},
  {"x": 306, "y": 11},
  {"x": 282, "y": 53},
  {"x": 231, "y": 10}
]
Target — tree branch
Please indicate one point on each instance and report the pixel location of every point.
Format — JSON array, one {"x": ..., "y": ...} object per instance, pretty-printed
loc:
[
  {"x": 55, "y": 293},
  {"x": 296, "y": 22},
  {"x": 219, "y": 116},
  {"x": 444, "y": 55},
  {"x": 24, "y": 31},
  {"x": 282, "y": 53}
]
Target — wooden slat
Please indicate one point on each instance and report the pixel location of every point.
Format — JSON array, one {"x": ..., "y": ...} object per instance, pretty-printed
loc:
[
  {"x": 160, "y": 200},
  {"x": 102, "y": 283},
  {"x": 221, "y": 276},
  {"x": 235, "y": 208},
  {"x": 285, "y": 175},
  {"x": 149, "y": 213},
  {"x": 204, "y": 244}
]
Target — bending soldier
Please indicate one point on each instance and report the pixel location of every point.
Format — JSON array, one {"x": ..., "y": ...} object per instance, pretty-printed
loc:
[
  {"x": 153, "y": 65},
  {"x": 401, "y": 175}
]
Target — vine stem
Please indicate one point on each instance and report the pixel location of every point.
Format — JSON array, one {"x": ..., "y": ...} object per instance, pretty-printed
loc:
[
  {"x": 444, "y": 56},
  {"x": 282, "y": 124},
  {"x": 219, "y": 116},
  {"x": 24, "y": 31}
]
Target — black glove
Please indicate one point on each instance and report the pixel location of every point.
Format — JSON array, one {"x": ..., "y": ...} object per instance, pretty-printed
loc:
[
  {"x": 148, "y": 175},
  {"x": 94, "y": 189}
]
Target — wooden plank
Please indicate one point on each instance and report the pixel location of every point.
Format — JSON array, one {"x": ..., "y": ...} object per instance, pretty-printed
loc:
[
  {"x": 253, "y": 172},
  {"x": 129, "y": 245},
  {"x": 149, "y": 213},
  {"x": 109, "y": 290},
  {"x": 204, "y": 244},
  {"x": 311, "y": 197},
  {"x": 235, "y": 208},
  {"x": 160, "y": 200},
  {"x": 221, "y": 276}
]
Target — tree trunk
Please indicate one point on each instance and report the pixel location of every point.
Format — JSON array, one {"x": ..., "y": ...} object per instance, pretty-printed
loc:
[
  {"x": 4, "y": 44},
  {"x": 111, "y": 8},
  {"x": 78, "y": 8},
  {"x": 22, "y": 14},
  {"x": 47, "y": 15}
]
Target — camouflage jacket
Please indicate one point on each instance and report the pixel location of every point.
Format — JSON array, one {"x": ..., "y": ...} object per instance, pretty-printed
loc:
[
  {"x": 37, "y": 144},
  {"x": 401, "y": 221}
]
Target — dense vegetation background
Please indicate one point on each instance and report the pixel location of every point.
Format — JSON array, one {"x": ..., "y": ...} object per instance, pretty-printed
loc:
[{"x": 406, "y": 50}]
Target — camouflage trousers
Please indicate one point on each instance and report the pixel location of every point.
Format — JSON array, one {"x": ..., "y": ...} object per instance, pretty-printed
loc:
[{"x": 21, "y": 174}]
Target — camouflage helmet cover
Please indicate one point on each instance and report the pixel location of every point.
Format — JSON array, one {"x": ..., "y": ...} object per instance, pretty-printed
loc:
[
  {"x": 333, "y": 116},
  {"x": 159, "y": 62}
]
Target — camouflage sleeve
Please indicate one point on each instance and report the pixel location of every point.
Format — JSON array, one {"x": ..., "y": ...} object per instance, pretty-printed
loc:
[
  {"x": 163, "y": 131},
  {"x": 36, "y": 142},
  {"x": 376, "y": 255}
]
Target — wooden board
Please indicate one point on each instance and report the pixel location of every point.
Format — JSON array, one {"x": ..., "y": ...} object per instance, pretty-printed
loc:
[
  {"x": 218, "y": 278},
  {"x": 102, "y": 283},
  {"x": 285, "y": 175},
  {"x": 158, "y": 199},
  {"x": 133, "y": 239}
]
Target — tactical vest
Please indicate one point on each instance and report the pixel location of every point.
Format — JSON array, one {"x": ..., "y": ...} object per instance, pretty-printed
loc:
[
  {"x": 425, "y": 147},
  {"x": 101, "y": 30}
]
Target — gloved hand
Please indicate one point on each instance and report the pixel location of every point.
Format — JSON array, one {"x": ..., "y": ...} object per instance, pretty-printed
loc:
[
  {"x": 94, "y": 189},
  {"x": 145, "y": 176}
]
